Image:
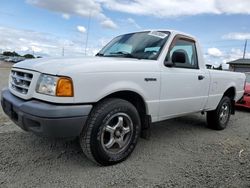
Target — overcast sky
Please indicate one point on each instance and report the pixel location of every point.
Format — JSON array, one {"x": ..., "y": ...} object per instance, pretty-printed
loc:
[{"x": 45, "y": 27}]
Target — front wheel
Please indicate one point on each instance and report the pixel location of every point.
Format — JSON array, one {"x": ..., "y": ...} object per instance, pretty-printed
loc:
[
  {"x": 111, "y": 132},
  {"x": 218, "y": 119}
]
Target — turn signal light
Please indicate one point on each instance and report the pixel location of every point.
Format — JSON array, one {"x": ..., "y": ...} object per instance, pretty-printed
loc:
[{"x": 64, "y": 87}]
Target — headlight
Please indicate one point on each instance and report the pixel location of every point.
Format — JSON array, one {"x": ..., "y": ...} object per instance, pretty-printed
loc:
[{"x": 55, "y": 86}]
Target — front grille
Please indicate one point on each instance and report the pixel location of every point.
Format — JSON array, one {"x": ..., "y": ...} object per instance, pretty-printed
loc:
[{"x": 20, "y": 81}]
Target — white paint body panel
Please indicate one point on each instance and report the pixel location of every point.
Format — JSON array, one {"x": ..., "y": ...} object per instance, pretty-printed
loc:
[
  {"x": 182, "y": 92},
  {"x": 176, "y": 92}
]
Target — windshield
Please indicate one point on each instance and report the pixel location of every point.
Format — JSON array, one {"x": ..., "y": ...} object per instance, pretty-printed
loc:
[
  {"x": 248, "y": 78},
  {"x": 143, "y": 45}
]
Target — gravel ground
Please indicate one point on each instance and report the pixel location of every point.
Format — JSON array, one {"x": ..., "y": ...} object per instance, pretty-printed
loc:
[{"x": 181, "y": 153}]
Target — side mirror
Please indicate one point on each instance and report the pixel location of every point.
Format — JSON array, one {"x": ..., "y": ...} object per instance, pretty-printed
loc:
[
  {"x": 168, "y": 63},
  {"x": 178, "y": 57}
]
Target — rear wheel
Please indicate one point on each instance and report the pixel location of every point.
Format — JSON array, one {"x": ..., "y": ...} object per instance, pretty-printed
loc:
[
  {"x": 218, "y": 119},
  {"x": 111, "y": 132}
]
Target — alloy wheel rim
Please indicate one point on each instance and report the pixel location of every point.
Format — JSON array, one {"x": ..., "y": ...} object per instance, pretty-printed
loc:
[
  {"x": 117, "y": 133},
  {"x": 224, "y": 113}
]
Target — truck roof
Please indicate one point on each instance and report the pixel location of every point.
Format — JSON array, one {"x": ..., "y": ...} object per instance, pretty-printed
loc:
[{"x": 174, "y": 32}]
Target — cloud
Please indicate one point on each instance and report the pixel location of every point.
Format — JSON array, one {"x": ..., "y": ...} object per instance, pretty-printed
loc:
[
  {"x": 81, "y": 29},
  {"x": 82, "y": 8},
  {"x": 159, "y": 8},
  {"x": 156, "y": 8},
  {"x": 216, "y": 57},
  {"x": 66, "y": 16},
  {"x": 42, "y": 44},
  {"x": 131, "y": 21},
  {"x": 169, "y": 8},
  {"x": 36, "y": 49},
  {"x": 215, "y": 52},
  {"x": 109, "y": 24},
  {"x": 235, "y": 53},
  {"x": 237, "y": 36},
  {"x": 73, "y": 7},
  {"x": 232, "y": 6}
]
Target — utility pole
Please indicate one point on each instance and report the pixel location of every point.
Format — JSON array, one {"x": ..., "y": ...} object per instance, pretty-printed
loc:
[
  {"x": 87, "y": 37},
  {"x": 245, "y": 47}
]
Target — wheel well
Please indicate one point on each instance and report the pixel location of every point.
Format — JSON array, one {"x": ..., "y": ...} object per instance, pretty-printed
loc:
[
  {"x": 133, "y": 98},
  {"x": 230, "y": 92},
  {"x": 139, "y": 103}
]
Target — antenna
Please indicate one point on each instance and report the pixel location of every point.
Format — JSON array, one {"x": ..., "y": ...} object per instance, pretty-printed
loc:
[
  {"x": 245, "y": 47},
  {"x": 87, "y": 37}
]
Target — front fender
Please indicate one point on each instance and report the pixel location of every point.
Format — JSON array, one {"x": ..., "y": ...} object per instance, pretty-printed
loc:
[{"x": 92, "y": 87}]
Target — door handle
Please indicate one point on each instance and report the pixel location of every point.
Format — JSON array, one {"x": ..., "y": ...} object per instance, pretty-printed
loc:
[{"x": 201, "y": 77}]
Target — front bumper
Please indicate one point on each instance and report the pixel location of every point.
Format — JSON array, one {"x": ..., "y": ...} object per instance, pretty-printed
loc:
[{"x": 45, "y": 119}]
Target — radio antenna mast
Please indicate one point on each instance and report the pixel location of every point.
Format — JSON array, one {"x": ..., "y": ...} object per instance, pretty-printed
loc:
[
  {"x": 87, "y": 36},
  {"x": 245, "y": 47}
]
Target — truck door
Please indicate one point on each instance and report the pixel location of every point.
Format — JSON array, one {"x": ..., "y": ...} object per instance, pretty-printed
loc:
[{"x": 184, "y": 86}]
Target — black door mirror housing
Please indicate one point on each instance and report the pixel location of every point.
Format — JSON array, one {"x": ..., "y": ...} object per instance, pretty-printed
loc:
[{"x": 168, "y": 63}]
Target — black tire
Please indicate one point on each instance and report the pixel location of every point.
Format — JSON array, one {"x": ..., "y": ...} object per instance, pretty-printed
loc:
[
  {"x": 214, "y": 118},
  {"x": 92, "y": 138}
]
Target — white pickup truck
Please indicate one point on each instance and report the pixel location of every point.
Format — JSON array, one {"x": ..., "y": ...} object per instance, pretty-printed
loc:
[{"x": 109, "y": 100}]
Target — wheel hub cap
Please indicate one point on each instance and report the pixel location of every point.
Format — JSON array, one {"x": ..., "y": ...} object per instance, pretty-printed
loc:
[{"x": 117, "y": 133}]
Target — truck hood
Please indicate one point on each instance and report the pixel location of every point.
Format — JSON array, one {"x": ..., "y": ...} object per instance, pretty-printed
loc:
[{"x": 66, "y": 66}]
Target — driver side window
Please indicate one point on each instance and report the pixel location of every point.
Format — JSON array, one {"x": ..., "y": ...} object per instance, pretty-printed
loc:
[{"x": 188, "y": 50}]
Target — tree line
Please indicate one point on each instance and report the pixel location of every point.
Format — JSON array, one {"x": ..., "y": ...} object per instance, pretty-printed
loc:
[{"x": 15, "y": 54}]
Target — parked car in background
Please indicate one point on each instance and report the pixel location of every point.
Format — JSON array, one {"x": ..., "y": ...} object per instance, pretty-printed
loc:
[
  {"x": 245, "y": 101},
  {"x": 15, "y": 59},
  {"x": 9, "y": 59},
  {"x": 2, "y": 57}
]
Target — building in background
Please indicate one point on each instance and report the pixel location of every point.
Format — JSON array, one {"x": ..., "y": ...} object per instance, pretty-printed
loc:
[{"x": 239, "y": 65}]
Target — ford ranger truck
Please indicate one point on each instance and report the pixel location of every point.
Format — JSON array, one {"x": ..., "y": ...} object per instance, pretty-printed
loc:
[{"x": 110, "y": 100}]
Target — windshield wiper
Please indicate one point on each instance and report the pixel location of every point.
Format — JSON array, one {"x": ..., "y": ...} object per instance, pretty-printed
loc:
[
  {"x": 123, "y": 54},
  {"x": 99, "y": 54},
  {"x": 117, "y": 54}
]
